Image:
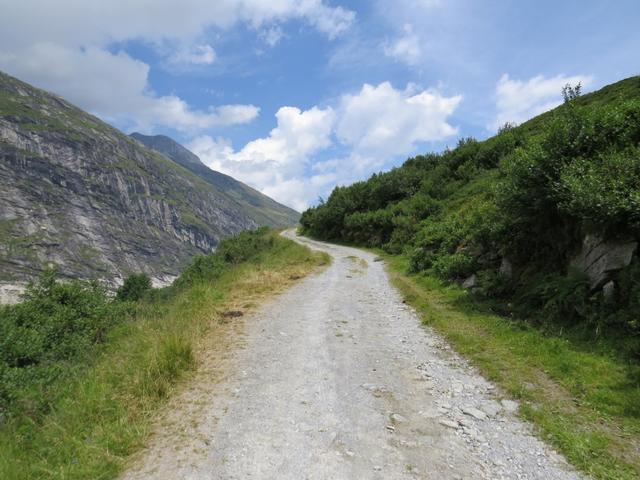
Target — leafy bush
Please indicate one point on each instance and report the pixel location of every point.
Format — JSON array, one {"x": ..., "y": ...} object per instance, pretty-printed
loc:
[
  {"x": 134, "y": 287},
  {"x": 231, "y": 251},
  {"x": 43, "y": 338},
  {"x": 559, "y": 298},
  {"x": 604, "y": 191},
  {"x": 454, "y": 266},
  {"x": 245, "y": 245}
]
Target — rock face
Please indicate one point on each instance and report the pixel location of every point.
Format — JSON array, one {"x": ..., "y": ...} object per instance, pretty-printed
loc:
[
  {"x": 261, "y": 208},
  {"x": 78, "y": 193},
  {"x": 506, "y": 268},
  {"x": 599, "y": 259},
  {"x": 471, "y": 282}
]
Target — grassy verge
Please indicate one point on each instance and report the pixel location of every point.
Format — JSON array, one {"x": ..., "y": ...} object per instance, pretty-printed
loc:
[
  {"x": 102, "y": 415},
  {"x": 583, "y": 398}
]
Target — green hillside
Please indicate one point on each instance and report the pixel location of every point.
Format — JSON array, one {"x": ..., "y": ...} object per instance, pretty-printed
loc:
[{"x": 521, "y": 202}]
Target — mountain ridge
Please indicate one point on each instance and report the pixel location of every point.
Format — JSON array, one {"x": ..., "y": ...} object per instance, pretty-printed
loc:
[
  {"x": 81, "y": 195},
  {"x": 262, "y": 208}
]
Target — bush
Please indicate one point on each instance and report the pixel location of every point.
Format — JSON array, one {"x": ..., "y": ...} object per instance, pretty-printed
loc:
[
  {"x": 46, "y": 336},
  {"x": 231, "y": 251},
  {"x": 454, "y": 267},
  {"x": 244, "y": 246},
  {"x": 558, "y": 298},
  {"x": 134, "y": 287}
]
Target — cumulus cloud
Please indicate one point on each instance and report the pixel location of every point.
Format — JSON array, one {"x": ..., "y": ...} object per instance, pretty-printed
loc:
[
  {"x": 369, "y": 127},
  {"x": 276, "y": 164},
  {"x": 381, "y": 121},
  {"x": 67, "y": 48},
  {"x": 193, "y": 55},
  {"x": 405, "y": 48},
  {"x": 519, "y": 100}
]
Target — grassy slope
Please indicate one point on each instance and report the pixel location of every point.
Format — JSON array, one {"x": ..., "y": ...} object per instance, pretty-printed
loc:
[
  {"x": 582, "y": 400},
  {"x": 105, "y": 415}
]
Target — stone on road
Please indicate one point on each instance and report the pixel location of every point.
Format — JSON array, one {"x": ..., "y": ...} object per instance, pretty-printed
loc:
[{"x": 337, "y": 379}]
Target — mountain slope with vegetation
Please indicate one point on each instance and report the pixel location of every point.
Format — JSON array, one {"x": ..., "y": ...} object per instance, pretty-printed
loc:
[
  {"x": 79, "y": 194},
  {"x": 261, "y": 208},
  {"x": 540, "y": 225},
  {"x": 518, "y": 215}
]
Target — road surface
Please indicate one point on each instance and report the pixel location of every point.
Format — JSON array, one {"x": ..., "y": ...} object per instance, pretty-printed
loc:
[{"x": 336, "y": 379}]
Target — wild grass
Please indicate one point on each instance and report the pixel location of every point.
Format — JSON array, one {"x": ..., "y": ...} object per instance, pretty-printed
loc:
[
  {"x": 583, "y": 398},
  {"x": 104, "y": 414}
]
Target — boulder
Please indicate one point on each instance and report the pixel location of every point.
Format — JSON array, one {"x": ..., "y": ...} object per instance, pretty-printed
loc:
[
  {"x": 609, "y": 289},
  {"x": 470, "y": 282},
  {"x": 599, "y": 258},
  {"x": 506, "y": 268}
]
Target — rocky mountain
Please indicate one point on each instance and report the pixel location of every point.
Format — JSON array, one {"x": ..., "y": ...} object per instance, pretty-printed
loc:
[
  {"x": 263, "y": 209},
  {"x": 77, "y": 193}
]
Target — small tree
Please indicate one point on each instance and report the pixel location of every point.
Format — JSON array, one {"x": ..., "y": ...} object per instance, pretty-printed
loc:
[
  {"x": 570, "y": 93},
  {"x": 134, "y": 287}
]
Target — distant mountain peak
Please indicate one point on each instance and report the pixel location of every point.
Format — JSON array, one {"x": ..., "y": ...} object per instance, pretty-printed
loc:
[
  {"x": 258, "y": 206},
  {"x": 169, "y": 147}
]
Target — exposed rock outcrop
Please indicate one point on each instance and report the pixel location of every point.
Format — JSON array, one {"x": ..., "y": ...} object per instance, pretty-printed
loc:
[
  {"x": 261, "y": 208},
  {"x": 599, "y": 259},
  {"x": 506, "y": 268},
  {"x": 79, "y": 194}
]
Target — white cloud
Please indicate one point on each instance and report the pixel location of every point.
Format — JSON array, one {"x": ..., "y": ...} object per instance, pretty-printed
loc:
[
  {"x": 382, "y": 122},
  {"x": 236, "y": 114},
  {"x": 372, "y": 126},
  {"x": 405, "y": 48},
  {"x": 276, "y": 164},
  {"x": 65, "y": 48},
  {"x": 332, "y": 21},
  {"x": 193, "y": 55},
  {"x": 272, "y": 35},
  {"x": 519, "y": 100},
  {"x": 115, "y": 86},
  {"x": 80, "y": 22}
]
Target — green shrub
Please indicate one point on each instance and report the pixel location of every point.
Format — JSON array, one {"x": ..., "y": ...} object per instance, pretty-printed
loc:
[
  {"x": 231, "y": 251},
  {"x": 134, "y": 287},
  {"x": 244, "y": 246},
  {"x": 454, "y": 266},
  {"x": 604, "y": 191},
  {"x": 559, "y": 298},
  {"x": 44, "y": 338}
]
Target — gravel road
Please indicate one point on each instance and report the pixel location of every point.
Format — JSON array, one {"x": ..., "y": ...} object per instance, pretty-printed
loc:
[{"x": 336, "y": 379}]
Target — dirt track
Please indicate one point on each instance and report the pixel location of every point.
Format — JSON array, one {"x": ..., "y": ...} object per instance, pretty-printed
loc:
[{"x": 336, "y": 379}]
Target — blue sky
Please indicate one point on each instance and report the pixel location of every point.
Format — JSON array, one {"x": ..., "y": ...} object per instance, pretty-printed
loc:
[{"x": 297, "y": 96}]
